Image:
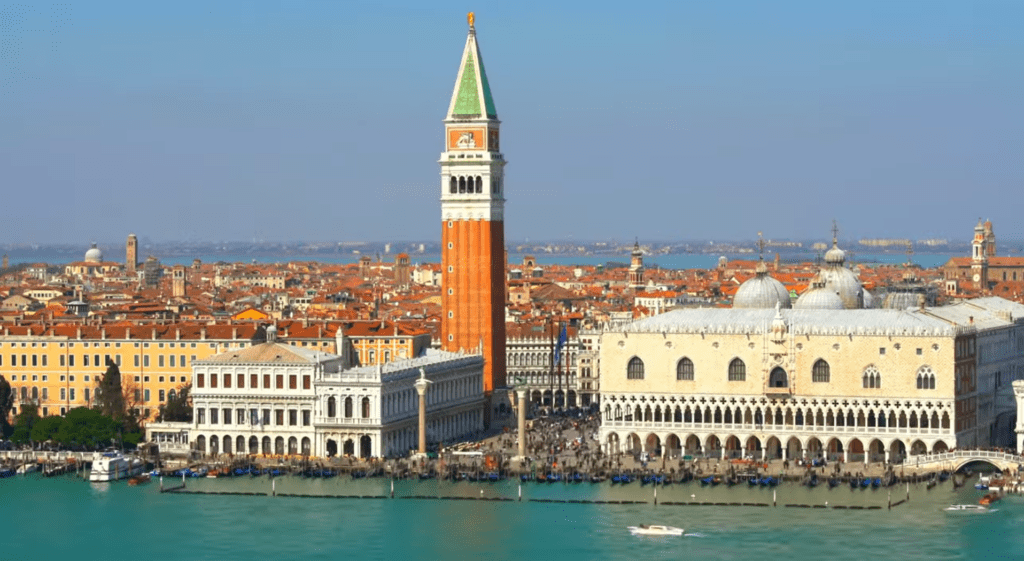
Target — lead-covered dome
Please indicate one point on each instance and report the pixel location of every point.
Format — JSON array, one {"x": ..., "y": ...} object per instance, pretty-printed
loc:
[
  {"x": 94, "y": 255},
  {"x": 819, "y": 298},
  {"x": 762, "y": 291}
]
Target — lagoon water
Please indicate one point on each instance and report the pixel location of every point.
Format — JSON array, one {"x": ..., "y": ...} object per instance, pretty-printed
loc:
[{"x": 67, "y": 518}]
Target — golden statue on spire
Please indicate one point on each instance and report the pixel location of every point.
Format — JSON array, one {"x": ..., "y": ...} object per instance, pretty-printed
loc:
[{"x": 471, "y": 17}]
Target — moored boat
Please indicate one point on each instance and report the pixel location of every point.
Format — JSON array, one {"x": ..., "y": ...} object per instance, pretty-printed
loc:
[
  {"x": 989, "y": 498},
  {"x": 111, "y": 466},
  {"x": 138, "y": 479}
]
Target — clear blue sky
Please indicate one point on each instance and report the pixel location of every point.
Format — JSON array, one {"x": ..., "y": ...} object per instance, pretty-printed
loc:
[{"x": 678, "y": 120}]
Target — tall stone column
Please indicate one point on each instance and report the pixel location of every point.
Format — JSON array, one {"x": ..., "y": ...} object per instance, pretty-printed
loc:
[
  {"x": 521, "y": 394},
  {"x": 1018, "y": 394},
  {"x": 421, "y": 388}
]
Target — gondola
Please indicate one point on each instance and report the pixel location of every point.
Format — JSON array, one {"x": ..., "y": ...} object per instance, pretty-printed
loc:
[
  {"x": 833, "y": 482},
  {"x": 754, "y": 481},
  {"x": 876, "y": 483}
]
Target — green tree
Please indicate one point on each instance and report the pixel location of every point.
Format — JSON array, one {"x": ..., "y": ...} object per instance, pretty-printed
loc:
[
  {"x": 27, "y": 417},
  {"x": 23, "y": 423},
  {"x": 109, "y": 396},
  {"x": 87, "y": 427},
  {"x": 178, "y": 408},
  {"x": 6, "y": 403},
  {"x": 46, "y": 428}
]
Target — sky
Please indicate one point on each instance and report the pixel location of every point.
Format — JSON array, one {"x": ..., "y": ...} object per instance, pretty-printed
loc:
[{"x": 291, "y": 120}]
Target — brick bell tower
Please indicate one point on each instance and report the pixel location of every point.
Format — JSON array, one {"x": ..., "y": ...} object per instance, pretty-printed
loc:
[{"x": 473, "y": 221}]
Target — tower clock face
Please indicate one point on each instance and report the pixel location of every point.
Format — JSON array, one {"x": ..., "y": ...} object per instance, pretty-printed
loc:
[{"x": 977, "y": 277}]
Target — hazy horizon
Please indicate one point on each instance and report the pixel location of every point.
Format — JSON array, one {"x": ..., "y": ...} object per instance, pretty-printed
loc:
[{"x": 199, "y": 122}]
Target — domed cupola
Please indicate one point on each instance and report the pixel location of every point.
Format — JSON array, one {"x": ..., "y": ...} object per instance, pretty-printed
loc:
[
  {"x": 94, "y": 255},
  {"x": 761, "y": 291},
  {"x": 839, "y": 279},
  {"x": 819, "y": 298}
]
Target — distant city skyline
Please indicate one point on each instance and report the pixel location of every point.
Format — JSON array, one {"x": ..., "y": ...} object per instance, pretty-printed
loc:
[{"x": 232, "y": 121}]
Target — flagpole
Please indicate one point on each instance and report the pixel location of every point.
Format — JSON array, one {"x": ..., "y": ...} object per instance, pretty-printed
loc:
[
  {"x": 561, "y": 342},
  {"x": 551, "y": 371}
]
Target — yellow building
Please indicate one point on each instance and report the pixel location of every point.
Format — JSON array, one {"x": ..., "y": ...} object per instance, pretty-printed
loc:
[{"x": 59, "y": 367}]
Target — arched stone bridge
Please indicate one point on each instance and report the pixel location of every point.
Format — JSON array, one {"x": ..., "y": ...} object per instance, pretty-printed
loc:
[{"x": 957, "y": 459}]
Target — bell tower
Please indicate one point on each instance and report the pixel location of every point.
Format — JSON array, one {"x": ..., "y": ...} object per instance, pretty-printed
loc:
[
  {"x": 473, "y": 220},
  {"x": 131, "y": 254},
  {"x": 979, "y": 258}
]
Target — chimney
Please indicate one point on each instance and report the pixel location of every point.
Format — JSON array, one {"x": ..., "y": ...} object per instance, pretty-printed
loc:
[
  {"x": 234, "y": 332},
  {"x": 103, "y": 333},
  {"x": 202, "y": 333},
  {"x": 177, "y": 334},
  {"x": 154, "y": 334},
  {"x": 78, "y": 332}
]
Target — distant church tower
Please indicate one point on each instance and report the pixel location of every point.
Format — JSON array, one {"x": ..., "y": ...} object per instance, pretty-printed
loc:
[
  {"x": 979, "y": 257},
  {"x": 990, "y": 240},
  {"x": 178, "y": 281},
  {"x": 131, "y": 254},
  {"x": 473, "y": 221},
  {"x": 402, "y": 270},
  {"x": 636, "y": 267}
]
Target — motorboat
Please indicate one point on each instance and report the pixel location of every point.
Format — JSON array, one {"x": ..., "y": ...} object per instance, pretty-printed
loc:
[
  {"x": 138, "y": 479},
  {"x": 989, "y": 498},
  {"x": 655, "y": 530},
  {"x": 111, "y": 466},
  {"x": 28, "y": 467},
  {"x": 967, "y": 509}
]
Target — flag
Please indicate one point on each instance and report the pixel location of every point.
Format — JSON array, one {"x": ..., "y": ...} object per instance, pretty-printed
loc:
[{"x": 563, "y": 337}]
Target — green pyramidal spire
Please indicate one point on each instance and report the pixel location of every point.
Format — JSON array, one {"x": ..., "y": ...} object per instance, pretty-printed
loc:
[{"x": 472, "y": 97}]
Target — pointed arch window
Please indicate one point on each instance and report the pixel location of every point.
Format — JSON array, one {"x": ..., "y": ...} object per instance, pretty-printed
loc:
[
  {"x": 872, "y": 378},
  {"x": 821, "y": 372},
  {"x": 684, "y": 369},
  {"x": 737, "y": 371},
  {"x": 925, "y": 378},
  {"x": 778, "y": 378},
  {"x": 635, "y": 369}
]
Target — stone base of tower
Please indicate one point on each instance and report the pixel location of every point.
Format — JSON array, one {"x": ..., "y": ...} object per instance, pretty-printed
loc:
[{"x": 500, "y": 412}]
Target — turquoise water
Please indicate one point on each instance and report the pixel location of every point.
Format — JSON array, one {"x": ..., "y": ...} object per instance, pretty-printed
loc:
[{"x": 66, "y": 518}]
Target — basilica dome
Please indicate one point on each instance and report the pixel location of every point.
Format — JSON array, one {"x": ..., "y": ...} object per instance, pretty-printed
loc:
[
  {"x": 762, "y": 291},
  {"x": 94, "y": 255},
  {"x": 819, "y": 298},
  {"x": 842, "y": 281}
]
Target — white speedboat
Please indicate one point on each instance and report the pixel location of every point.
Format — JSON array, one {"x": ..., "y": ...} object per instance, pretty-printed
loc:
[
  {"x": 111, "y": 466},
  {"x": 967, "y": 509},
  {"x": 655, "y": 530},
  {"x": 27, "y": 468}
]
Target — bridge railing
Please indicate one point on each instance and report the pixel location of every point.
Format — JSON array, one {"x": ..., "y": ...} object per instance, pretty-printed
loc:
[{"x": 942, "y": 457}]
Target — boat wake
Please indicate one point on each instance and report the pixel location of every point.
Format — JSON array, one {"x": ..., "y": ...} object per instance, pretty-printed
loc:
[{"x": 694, "y": 535}]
